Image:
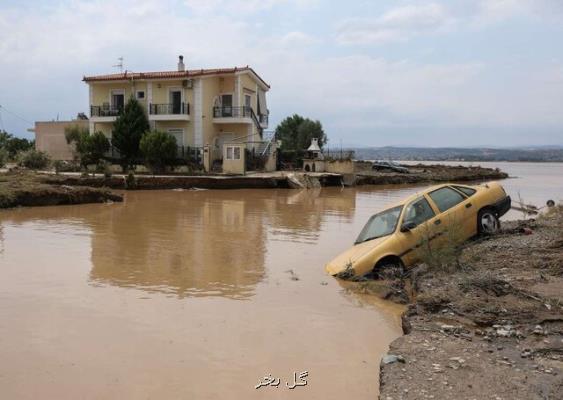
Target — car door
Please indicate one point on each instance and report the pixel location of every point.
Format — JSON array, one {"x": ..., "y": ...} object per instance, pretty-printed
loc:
[
  {"x": 452, "y": 226},
  {"x": 421, "y": 218},
  {"x": 470, "y": 209}
]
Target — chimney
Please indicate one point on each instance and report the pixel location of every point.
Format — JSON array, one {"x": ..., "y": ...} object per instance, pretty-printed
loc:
[{"x": 181, "y": 66}]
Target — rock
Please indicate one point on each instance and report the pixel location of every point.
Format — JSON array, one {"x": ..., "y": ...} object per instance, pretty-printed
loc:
[{"x": 391, "y": 359}]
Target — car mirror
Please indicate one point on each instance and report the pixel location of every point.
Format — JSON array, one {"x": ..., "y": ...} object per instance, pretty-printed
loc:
[{"x": 408, "y": 226}]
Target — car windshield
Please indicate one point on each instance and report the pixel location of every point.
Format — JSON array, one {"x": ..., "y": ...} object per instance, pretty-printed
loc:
[{"x": 380, "y": 225}]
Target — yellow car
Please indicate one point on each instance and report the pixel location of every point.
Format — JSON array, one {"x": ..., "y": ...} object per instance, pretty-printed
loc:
[{"x": 394, "y": 238}]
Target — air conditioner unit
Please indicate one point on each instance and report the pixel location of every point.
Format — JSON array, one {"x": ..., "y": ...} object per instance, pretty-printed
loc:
[{"x": 188, "y": 83}]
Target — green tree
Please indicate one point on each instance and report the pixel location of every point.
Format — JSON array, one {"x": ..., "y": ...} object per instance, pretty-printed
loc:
[
  {"x": 33, "y": 159},
  {"x": 14, "y": 145},
  {"x": 90, "y": 149},
  {"x": 158, "y": 149},
  {"x": 296, "y": 133},
  {"x": 128, "y": 129}
]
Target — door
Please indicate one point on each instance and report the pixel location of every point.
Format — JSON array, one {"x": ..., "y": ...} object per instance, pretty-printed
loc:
[
  {"x": 176, "y": 101},
  {"x": 117, "y": 100},
  {"x": 451, "y": 204},
  {"x": 227, "y": 105},
  {"x": 421, "y": 220}
]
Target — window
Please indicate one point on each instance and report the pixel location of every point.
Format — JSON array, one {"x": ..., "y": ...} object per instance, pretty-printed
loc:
[
  {"x": 445, "y": 198},
  {"x": 178, "y": 133},
  {"x": 418, "y": 212},
  {"x": 380, "y": 225},
  {"x": 226, "y": 105},
  {"x": 233, "y": 153},
  {"x": 247, "y": 100},
  {"x": 467, "y": 191},
  {"x": 117, "y": 99}
]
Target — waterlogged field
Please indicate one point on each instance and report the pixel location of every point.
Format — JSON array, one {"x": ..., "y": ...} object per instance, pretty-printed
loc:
[{"x": 198, "y": 294}]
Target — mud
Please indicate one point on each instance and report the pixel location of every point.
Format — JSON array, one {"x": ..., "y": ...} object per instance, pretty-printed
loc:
[
  {"x": 490, "y": 329},
  {"x": 298, "y": 180},
  {"x": 26, "y": 189},
  {"x": 427, "y": 173}
]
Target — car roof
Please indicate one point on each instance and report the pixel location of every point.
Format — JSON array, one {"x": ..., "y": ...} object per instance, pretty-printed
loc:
[{"x": 420, "y": 193}]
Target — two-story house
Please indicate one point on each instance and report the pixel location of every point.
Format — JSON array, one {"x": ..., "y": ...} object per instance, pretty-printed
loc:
[{"x": 198, "y": 107}]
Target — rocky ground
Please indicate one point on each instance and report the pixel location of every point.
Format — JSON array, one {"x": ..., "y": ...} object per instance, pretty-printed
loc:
[
  {"x": 26, "y": 188},
  {"x": 489, "y": 326},
  {"x": 425, "y": 173}
]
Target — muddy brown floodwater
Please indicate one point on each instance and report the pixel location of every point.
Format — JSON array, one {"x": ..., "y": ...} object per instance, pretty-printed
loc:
[{"x": 187, "y": 295}]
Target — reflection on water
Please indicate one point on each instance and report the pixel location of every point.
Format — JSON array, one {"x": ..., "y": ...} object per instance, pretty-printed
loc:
[{"x": 136, "y": 300}]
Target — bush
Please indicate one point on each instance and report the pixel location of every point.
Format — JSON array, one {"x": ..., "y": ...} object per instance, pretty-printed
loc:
[
  {"x": 33, "y": 159},
  {"x": 4, "y": 155},
  {"x": 158, "y": 149},
  {"x": 89, "y": 149},
  {"x": 104, "y": 167}
]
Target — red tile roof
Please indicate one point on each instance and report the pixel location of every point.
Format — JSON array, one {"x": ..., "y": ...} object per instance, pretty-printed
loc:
[{"x": 169, "y": 74}]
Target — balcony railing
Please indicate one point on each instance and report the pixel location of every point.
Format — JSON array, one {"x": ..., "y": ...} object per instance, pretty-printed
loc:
[
  {"x": 232, "y": 112},
  {"x": 170, "y": 109},
  {"x": 105, "y": 111},
  {"x": 263, "y": 119}
]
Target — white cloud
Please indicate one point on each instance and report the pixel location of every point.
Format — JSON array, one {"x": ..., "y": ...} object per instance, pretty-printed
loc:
[
  {"x": 399, "y": 23},
  {"x": 47, "y": 51},
  {"x": 297, "y": 38},
  {"x": 238, "y": 7}
]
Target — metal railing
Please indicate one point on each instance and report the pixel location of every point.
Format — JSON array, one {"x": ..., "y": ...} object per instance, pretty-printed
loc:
[
  {"x": 183, "y": 153},
  {"x": 169, "y": 109},
  {"x": 232, "y": 112},
  {"x": 105, "y": 111},
  {"x": 263, "y": 119}
]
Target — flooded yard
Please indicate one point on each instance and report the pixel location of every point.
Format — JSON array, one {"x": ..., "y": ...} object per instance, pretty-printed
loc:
[
  {"x": 188, "y": 295},
  {"x": 195, "y": 294}
]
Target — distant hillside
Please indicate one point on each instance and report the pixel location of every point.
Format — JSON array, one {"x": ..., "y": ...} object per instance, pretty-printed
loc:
[{"x": 459, "y": 154}]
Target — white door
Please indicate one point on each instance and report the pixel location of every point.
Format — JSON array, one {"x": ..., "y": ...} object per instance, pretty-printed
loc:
[{"x": 178, "y": 133}]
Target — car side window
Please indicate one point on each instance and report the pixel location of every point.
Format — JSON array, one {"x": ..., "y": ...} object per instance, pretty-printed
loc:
[
  {"x": 446, "y": 198},
  {"x": 418, "y": 212},
  {"x": 467, "y": 191}
]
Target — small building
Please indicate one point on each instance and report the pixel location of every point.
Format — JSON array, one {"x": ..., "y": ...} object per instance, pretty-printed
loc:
[
  {"x": 314, "y": 159},
  {"x": 50, "y": 137}
]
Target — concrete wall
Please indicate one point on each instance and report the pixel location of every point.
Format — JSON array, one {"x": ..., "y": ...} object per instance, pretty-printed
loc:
[
  {"x": 234, "y": 165},
  {"x": 340, "y": 166},
  {"x": 50, "y": 138},
  {"x": 313, "y": 165}
]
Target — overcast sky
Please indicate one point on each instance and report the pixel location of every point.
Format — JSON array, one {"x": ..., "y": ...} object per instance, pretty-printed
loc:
[{"x": 423, "y": 73}]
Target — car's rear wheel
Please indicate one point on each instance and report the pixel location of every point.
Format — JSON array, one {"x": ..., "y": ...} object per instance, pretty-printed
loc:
[
  {"x": 389, "y": 269},
  {"x": 488, "y": 222}
]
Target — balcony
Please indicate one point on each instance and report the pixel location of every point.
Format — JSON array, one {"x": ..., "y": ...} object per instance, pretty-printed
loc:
[
  {"x": 169, "y": 112},
  {"x": 264, "y": 120},
  {"x": 105, "y": 112},
  {"x": 229, "y": 115}
]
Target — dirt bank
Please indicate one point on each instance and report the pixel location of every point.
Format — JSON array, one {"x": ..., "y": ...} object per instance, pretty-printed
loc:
[
  {"x": 490, "y": 327},
  {"x": 426, "y": 173},
  {"x": 282, "y": 179},
  {"x": 27, "y": 189}
]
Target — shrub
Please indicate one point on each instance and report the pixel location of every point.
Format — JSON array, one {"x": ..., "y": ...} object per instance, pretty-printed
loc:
[
  {"x": 158, "y": 149},
  {"x": 4, "y": 155},
  {"x": 33, "y": 159},
  {"x": 130, "y": 181},
  {"x": 104, "y": 167},
  {"x": 89, "y": 149},
  {"x": 59, "y": 165}
]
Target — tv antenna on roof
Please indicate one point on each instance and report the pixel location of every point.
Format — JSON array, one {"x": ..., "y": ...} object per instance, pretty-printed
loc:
[{"x": 119, "y": 64}]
